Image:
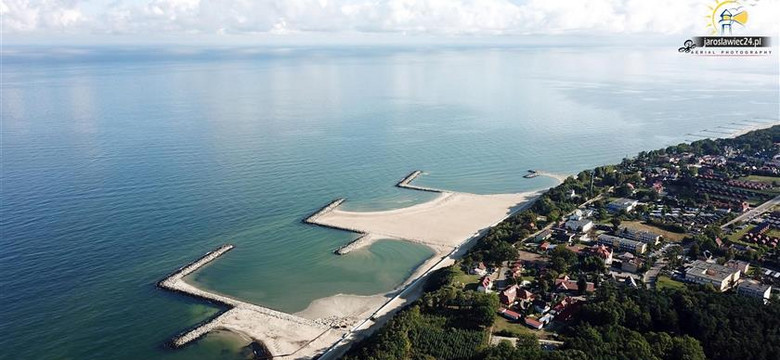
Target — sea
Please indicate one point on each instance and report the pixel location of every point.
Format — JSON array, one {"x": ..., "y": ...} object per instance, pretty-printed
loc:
[{"x": 122, "y": 163}]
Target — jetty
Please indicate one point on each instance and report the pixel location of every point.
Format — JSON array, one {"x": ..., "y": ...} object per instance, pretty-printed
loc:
[
  {"x": 531, "y": 174},
  {"x": 312, "y": 219},
  {"x": 406, "y": 183}
]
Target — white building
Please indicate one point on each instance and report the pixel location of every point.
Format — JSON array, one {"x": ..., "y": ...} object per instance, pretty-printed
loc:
[
  {"x": 622, "y": 204},
  {"x": 646, "y": 237},
  {"x": 579, "y": 225},
  {"x": 754, "y": 289},
  {"x": 719, "y": 276},
  {"x": 622, "y": 244}
]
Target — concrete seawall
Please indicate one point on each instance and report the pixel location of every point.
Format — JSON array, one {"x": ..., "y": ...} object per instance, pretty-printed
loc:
[
  {"x": 326, "y": 209},
  {"x": 406, "y": 183}
]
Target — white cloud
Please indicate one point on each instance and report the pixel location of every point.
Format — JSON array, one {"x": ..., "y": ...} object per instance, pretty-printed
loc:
[{"x": 430, "y": 17}]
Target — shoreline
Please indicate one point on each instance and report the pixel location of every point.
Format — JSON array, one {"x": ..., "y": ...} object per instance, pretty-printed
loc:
[
  {"x": 328, "y": 325},
  {"x": 750, "y": 128}
]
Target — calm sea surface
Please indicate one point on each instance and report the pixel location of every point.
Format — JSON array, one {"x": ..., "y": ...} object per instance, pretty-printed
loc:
[{"x": 120, "y": 165}]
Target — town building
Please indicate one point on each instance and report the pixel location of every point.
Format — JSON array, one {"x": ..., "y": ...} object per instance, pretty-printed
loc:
[
  {"x": 511, "y": 315},
  {"x": 565, "y": 284},
  {"x": 742, "y": 266},
  {"x": 544, "y": 235},
  {"x": 533, "y": 323},
  {"x": 754, "y": 289},
  {"x": 621, "y": 204},
  {"x": 632, "y": 265},
  {"x": 719, "y": 276},
  {"x": 622, "y": 244},
  {"x": 583, "y": 225},
  {"x": 646, "y": 237}
]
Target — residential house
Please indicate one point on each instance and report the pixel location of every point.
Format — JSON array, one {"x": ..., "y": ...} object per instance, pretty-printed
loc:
[
  {"x": 603, "y": 252},
  {"x": 525, "y": 295},
  {"x": 509, "y": 295},
  {"x": 719, "y": 276},
  {"x": 485, "y": 284},
  {"x": 478, "y": 269}
]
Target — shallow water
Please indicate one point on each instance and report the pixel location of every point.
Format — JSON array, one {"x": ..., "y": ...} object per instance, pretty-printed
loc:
[{"x": 120, "y": 165}]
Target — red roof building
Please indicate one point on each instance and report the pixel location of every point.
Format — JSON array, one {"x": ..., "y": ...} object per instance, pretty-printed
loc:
[
  {"x": 511, "y": 315},
  {"x": 533, "y": 323},
  {"x": 509, "y": 294}
]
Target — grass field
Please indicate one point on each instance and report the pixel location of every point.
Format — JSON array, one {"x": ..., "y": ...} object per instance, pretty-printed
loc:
[
  {"x": 736, "y": 237},
  {"x": 668, "y": 235},
  {"x": 664, "y": 282},
  {"x": 466, "y": 279}
]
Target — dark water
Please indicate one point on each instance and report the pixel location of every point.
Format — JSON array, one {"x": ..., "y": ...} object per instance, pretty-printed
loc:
[{"x": 119, "y": 165}]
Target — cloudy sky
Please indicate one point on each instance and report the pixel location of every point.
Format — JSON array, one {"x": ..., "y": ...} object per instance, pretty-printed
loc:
[{"x": 147, "y": 20}]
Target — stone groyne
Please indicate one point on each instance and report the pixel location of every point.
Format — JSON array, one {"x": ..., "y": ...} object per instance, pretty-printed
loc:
[
  {"x": 406, "y": 183},
  {"x": 326, "y": 209},
  {"x": 362, "y": 241},
  {"x": 171, "y": 282}
]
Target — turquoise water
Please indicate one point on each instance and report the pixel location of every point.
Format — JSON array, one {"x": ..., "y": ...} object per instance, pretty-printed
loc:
[{"x": 120, "y": 165}]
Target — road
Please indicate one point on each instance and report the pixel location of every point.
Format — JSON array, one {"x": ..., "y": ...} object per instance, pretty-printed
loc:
[
  {"x": 752, "y": 213},
  {"x": 581, "y": 206}
]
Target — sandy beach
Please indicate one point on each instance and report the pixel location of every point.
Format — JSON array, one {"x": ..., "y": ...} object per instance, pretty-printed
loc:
[
  {"x": 750, "y": 128},
  {"x": 448, "y": 220}
]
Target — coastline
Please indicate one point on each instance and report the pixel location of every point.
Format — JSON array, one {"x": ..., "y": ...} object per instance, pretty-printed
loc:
[
  {"x": 346, "y": 318},
  {"x": 751, "y": 128},
  {"x": 327, "y": 327}
]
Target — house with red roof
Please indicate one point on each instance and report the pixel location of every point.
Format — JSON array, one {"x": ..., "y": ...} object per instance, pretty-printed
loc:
[
  {"x": 485, "y": 284},
  {"x": 509, "y": 295},
  {"x": 564, "y": 284}
]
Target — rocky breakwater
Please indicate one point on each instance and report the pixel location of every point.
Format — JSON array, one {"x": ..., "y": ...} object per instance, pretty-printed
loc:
[{"x": 406, "y": 183}]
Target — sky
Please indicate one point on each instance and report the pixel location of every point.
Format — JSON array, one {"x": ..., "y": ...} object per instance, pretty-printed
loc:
[{"x": 228, "y": 21}]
